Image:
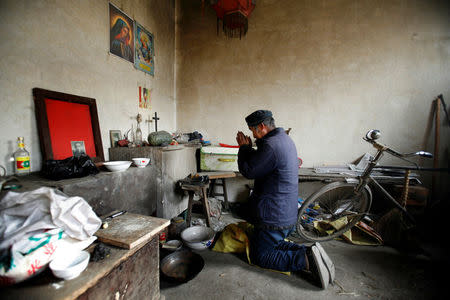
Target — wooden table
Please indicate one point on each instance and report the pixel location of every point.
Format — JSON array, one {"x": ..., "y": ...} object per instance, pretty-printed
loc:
[{"x": 124, "y": 274}]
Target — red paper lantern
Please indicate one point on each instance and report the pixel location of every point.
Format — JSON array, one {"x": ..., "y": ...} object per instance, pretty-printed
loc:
[{"x": 234, "y": 15}]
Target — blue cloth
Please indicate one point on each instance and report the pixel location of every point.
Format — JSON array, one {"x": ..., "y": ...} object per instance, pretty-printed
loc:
[
  {"x": 268, "y": 249},
  {"x": 274, "y": 166}
]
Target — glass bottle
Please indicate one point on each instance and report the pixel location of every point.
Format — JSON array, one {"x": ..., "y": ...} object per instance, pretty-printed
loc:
[
  {"x": 131, "y": 138},
  {"x": 22, "y": 164},
  {"x": 138, "y": 136}
]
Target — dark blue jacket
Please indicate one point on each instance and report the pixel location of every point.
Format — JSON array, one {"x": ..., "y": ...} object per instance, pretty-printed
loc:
[{"x": 274, "y": 166}]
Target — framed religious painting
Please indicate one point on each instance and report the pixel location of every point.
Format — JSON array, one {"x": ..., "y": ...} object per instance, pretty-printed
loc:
[
  {"x": 144, "y": 50},
  {"x": 121, "y": 34},
  {"x": 67, "y": 125}
]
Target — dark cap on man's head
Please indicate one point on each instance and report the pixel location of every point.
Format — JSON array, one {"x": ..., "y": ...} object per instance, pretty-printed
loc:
[{"x": 258, "y": 117}]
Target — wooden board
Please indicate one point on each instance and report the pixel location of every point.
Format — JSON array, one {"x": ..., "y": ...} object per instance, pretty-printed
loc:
[
  {"x": 218, "y": 174},
  {"x": 129, "y": 230}
]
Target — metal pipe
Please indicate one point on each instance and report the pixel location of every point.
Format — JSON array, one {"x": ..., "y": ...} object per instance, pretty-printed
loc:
[
  {"x": 398, "y": 205},
  {"x": 413, "y": 168}
]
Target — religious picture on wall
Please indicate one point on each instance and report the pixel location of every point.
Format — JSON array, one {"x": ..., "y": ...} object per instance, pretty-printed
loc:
[
  {"x": 121, "y": 34},
  {"x": 145, "y": 98},
  {"x": 144, "y": 50},
  {"x": 78, "y": 148}
]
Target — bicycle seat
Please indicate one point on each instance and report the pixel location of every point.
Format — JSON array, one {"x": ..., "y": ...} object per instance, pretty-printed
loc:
[{"x": 373, "y": 134}]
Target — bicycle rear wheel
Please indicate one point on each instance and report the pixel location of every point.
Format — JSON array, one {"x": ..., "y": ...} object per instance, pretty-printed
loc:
[{"x": 337, "y": 202}]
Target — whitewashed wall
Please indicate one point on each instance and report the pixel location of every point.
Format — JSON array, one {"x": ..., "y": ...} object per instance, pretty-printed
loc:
[
  {"x": 330, "y": 70},
  {"x": 64, "y": 46}
]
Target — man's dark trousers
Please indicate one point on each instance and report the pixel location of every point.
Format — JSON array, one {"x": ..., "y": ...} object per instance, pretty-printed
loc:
[{"x": 269, "y": 250}]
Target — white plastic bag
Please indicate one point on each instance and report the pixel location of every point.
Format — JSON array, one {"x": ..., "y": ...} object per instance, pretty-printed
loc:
[{"x": 22, "y": 214}]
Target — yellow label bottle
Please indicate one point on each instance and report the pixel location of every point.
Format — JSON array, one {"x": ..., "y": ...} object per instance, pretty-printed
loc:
[{"x": 22, "y": 165}]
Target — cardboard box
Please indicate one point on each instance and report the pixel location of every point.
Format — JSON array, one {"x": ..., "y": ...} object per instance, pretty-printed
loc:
[{"x": 219, "y": 159}]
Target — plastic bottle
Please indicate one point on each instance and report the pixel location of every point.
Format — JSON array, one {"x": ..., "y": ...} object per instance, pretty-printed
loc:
[{"x": 22, "y": 165}]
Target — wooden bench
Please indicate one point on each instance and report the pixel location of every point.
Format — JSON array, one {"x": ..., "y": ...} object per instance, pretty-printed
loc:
[
  {"x": 219, "y": 176},
  {"x": 200, "y": 190}
]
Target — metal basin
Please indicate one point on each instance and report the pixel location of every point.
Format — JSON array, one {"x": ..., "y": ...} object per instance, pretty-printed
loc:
[{"x": 181, "y": 266}]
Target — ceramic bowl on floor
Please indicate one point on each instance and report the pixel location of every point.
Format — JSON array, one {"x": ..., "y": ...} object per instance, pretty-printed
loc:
[
  {"x": 69, "y": 264},
  {"x": 117, "y": 166},
  {"x": 172, "y": 245},
  {"x": 198, "y": 237},
  {"x": 141, "y": 162}
]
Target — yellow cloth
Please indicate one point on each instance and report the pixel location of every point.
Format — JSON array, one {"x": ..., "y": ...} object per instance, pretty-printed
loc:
[
  {"x": 360, "y": 234},
  {"x": 234, "y": 239}
]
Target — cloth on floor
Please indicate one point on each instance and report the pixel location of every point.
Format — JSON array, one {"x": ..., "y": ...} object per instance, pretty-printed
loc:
[
  {"x": 360, "y": 234},
  {"x": 215, "y": 207},
  {"x": 235, "y": 239}
]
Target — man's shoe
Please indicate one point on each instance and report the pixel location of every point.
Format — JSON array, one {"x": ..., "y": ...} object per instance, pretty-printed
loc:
[
  {"x": 317, "y": 268},
  {"x": 328, "y": 262}
]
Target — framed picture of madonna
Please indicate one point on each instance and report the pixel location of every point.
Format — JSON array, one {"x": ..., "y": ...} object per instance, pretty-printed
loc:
[{"x": 121, "y": 34}]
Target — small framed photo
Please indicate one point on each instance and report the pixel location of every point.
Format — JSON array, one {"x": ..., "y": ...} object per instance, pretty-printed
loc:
[
  {"x": 115, "y": 136},
  {"x": 78, "y": 148}
]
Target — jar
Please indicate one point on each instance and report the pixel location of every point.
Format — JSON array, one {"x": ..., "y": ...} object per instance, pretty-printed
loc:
[{"x": 177, "y": 225}]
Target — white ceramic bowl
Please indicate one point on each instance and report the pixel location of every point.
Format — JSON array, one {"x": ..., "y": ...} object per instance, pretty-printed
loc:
[
  {"x": 117, "y": 166},
  {"x": 141, "y": 162},
  {"x": 69, "y": 264},
  {"x": 198, "y": 237},
  {"x": 172, "y": 245}
]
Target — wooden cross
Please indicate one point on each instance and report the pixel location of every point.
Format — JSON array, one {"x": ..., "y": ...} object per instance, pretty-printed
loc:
[{"x": 156, "y": 121}]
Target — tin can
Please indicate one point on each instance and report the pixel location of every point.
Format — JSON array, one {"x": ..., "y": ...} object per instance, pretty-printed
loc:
[{"x": 162, "y": 237}]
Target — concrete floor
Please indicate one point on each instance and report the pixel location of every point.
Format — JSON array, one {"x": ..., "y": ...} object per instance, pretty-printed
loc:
[{"x": 362, "y": 272}]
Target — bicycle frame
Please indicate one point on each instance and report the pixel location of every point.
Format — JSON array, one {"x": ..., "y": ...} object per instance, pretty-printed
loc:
[{"x": 365, "y": 178}]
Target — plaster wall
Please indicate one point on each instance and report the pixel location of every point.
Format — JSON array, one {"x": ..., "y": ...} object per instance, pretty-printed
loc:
[
  {"x": 64, "y": 46},
  {"x": 330, "y": 70}
]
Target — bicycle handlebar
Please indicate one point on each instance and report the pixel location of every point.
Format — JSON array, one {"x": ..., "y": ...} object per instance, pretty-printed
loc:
[{"x": 375, "y": 134}]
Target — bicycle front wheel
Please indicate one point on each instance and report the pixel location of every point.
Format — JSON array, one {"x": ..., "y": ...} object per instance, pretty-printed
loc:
[{"x": 332, "y": 210}]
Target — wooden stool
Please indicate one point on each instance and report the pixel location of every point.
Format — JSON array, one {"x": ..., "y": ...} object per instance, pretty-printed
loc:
[
  {"x": 201, "y": 191},
  {"x": 213, "y": 176}
]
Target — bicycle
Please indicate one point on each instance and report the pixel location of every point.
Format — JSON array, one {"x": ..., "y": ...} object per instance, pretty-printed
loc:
[{"x": 348, "y": 202}]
